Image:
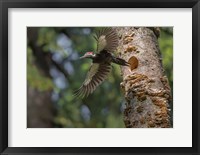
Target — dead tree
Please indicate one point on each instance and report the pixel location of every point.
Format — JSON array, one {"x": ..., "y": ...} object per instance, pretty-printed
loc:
[{"x": 145, "y": 86}]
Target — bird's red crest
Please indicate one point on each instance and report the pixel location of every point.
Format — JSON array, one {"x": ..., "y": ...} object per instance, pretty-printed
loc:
[{"x": 89, "y": 53}]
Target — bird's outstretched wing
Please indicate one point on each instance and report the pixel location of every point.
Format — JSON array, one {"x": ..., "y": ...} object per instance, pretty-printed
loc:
[
  {"x": 107, "y": 39},
  {"x": 95, "y": 76}
]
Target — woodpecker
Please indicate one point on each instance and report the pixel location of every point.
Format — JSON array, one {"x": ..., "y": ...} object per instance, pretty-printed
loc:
[{"x": 107, "y": 42}]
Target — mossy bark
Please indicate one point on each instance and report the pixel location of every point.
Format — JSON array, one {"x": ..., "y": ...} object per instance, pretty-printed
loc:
[{"x": 146, "y": 88}]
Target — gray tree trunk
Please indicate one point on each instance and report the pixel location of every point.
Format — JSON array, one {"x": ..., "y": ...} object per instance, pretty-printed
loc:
[{"x": 146, "y": 88}]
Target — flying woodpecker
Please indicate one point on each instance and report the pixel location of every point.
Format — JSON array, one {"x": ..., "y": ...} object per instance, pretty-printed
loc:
[{"x": 107, "y": 42}]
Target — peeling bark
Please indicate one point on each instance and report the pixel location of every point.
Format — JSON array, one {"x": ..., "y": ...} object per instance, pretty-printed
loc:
[{"x": 146, "y": 88}]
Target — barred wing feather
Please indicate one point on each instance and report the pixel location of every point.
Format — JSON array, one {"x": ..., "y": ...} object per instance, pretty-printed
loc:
[
  {"x": 107, "y": 39},
  {"x": 95, "y": 76}
]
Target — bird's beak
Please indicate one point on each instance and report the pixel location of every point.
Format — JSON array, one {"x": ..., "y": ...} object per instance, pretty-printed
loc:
[{"x": 82, "y": 57}]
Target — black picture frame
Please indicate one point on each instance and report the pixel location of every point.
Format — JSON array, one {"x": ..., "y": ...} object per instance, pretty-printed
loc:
[{"x": 6, "y": 4}]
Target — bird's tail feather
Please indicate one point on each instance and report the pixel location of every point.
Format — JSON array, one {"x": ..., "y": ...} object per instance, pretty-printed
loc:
[{"x": 120, "y": 61}]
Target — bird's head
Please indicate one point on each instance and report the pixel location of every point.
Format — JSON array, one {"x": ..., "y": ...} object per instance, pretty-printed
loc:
[{"x": 88, "y": 55}]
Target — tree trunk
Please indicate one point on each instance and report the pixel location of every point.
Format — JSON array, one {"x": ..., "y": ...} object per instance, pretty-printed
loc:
[
  {"x": 146, "y": 88},
  {"x": 40, "y": 110}
]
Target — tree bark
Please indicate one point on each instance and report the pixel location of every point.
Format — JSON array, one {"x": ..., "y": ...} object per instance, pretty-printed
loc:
[{"x": 146, "y": 88}]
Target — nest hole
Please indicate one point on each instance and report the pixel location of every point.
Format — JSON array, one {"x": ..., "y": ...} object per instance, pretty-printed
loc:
[{"x": 133, "y": 61}]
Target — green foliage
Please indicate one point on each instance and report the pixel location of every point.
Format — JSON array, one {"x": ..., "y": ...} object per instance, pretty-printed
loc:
[
  {"x": 103, "y": 108},
  {"x": 34, "y": 76},
  {"x": 166, "y": 47}
]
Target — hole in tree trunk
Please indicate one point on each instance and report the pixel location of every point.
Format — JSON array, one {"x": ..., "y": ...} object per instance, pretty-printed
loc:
[{"x": 133, "y": 61}]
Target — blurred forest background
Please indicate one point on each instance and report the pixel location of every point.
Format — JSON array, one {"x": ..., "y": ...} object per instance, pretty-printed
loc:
[{"x": 54, "y": 71}]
